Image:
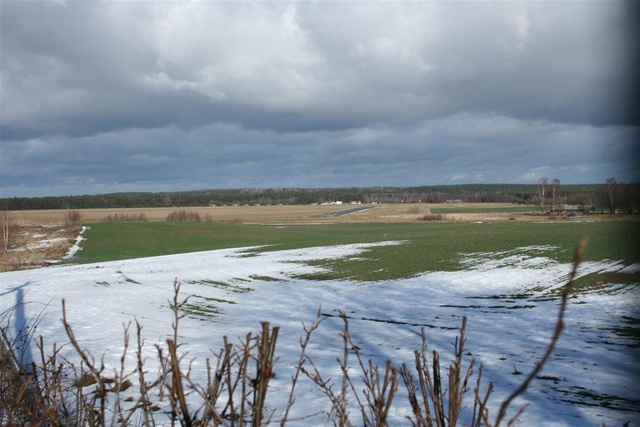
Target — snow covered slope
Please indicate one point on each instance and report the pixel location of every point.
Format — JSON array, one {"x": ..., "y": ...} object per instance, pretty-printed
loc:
[{"x": 506, "y": 300}]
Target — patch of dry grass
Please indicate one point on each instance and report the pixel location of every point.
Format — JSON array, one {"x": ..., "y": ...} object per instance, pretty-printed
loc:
[{"x": 34, "y": 246}]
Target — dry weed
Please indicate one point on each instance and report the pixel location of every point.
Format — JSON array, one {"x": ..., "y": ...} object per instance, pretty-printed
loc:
[{"x": 31, "y": 245}]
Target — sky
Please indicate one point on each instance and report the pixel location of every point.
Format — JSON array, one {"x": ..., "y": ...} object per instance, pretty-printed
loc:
[{"x": 114, "y": 96}]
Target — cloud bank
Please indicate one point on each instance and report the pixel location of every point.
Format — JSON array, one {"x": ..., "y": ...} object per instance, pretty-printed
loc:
[{"x": 159, "y": 96}]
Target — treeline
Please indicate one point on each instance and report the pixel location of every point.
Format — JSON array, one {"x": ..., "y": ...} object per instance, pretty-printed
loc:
[{"x": 595, "y": 196}]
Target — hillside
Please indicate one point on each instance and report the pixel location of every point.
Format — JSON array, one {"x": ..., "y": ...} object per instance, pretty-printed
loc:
[{"x": 511, "y": 310}]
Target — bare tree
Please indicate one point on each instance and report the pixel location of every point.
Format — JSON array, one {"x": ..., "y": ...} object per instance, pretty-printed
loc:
[
  {"x": 611, "y": 187},
  {"x": 541, "y": 193},
  {"x": 9, "y": 227},
  {"x": 555, "y": 192}
]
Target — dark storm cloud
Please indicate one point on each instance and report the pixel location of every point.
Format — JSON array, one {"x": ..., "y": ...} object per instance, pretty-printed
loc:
[{"x": 115, "y": 96}]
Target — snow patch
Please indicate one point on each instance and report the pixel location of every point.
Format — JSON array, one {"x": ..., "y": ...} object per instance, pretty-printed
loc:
[{"x": 76, "y": 246}]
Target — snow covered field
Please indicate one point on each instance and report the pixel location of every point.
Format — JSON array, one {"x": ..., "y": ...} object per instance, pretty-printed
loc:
[{"x": 593, "y": 377}]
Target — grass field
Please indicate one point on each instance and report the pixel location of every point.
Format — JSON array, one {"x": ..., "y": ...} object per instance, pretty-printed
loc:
[{"x": 426, "y": 247}]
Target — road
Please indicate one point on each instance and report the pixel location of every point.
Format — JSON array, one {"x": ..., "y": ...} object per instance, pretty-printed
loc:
[{"x": 348, "y": 211}]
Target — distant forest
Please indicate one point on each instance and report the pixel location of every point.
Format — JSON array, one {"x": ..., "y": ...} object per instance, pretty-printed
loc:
[{"x": 596, "y": 197}]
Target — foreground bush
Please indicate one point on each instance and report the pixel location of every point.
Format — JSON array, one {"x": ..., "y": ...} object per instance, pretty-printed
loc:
[{"x": 56, "y": 391}]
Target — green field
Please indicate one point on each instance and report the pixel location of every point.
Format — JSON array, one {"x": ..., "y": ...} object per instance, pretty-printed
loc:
[{"x": 426, "y": 247}]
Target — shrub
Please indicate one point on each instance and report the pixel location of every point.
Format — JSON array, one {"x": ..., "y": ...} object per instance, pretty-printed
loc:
[
  {"x": 431, "y": 217},
  {"x": 72, "y": 223},
  {"x": 126, "y": 218},
  {"x": 183, "y": 216},
  {"x": 72, "y": 218}
]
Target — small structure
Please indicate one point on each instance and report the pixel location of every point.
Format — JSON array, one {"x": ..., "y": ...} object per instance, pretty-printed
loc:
[{"x": 567, "y": 210}]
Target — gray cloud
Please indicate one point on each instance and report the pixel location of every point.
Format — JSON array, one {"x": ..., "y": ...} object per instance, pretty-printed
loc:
[{"x": 119, "y": 96}]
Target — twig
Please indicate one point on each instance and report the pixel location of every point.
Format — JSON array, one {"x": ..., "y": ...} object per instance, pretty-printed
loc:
[
  {"x": 266, "y": 361},
  {"x": 304, "y": 341},
  {"x": 85, "y": 356},
  {"x": 177, "y": 383}
]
